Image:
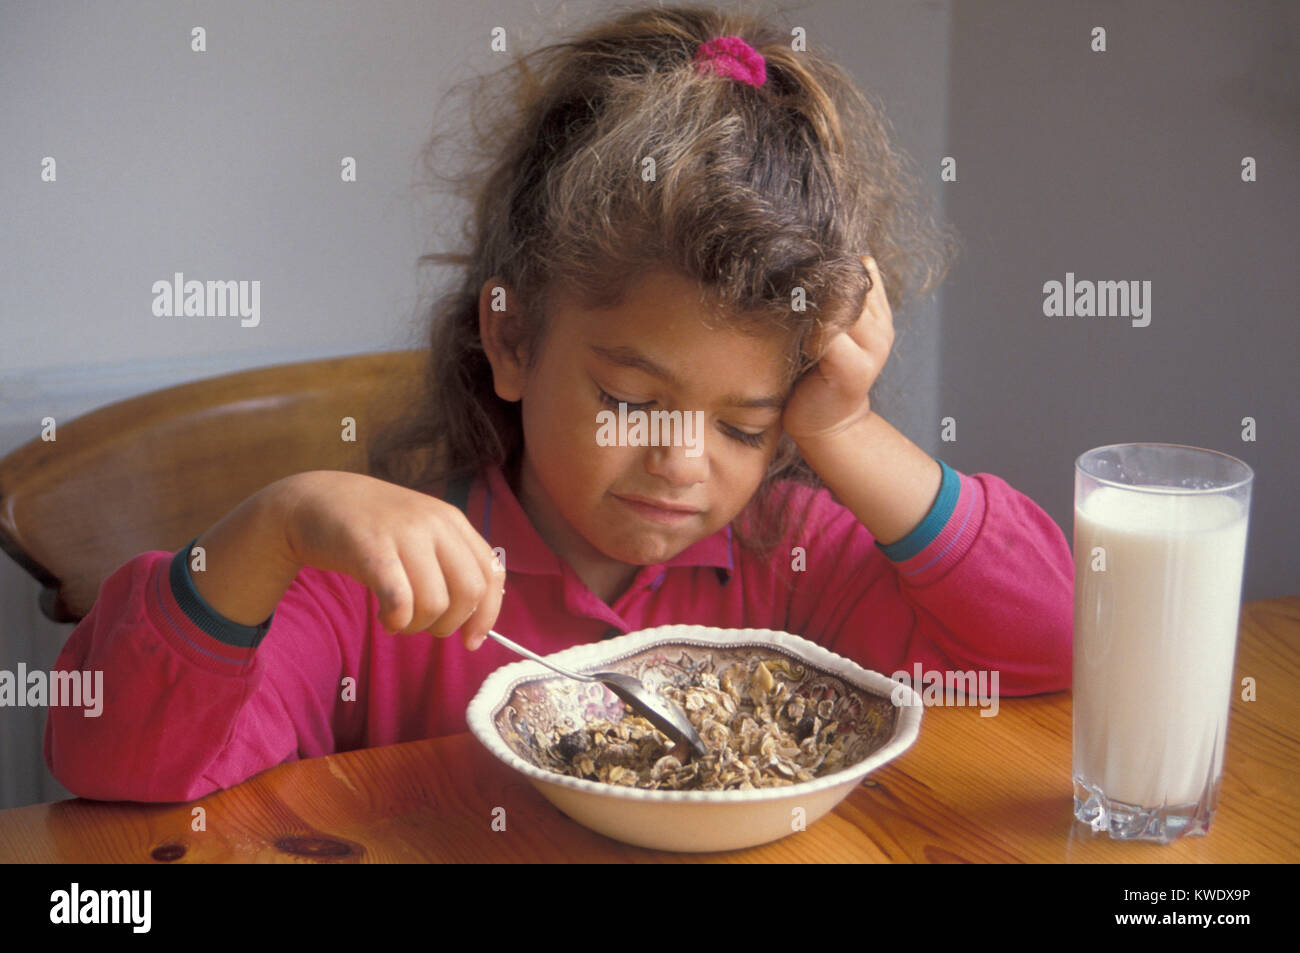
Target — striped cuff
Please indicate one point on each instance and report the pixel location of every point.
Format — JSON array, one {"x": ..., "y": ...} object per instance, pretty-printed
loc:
[
  {"x": 930, "y": 527},
  {"x": 203, "y": 615}
]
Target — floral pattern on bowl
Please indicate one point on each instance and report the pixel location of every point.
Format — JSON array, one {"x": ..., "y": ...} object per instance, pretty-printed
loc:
[{"x": 522, "y": 698}]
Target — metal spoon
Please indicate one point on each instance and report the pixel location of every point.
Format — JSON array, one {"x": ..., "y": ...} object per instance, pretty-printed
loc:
[{"x": 663, "y": 713}]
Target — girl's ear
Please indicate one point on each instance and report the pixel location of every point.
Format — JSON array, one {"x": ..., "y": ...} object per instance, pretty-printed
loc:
[{"x": 504, "y": 334}]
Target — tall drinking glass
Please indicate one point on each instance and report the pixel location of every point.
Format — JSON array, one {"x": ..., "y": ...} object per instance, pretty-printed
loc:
[{"x": 1159, "y": 551}]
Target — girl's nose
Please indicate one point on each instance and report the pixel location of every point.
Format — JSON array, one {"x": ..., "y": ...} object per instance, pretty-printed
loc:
[{"x": 678, "y": 466}]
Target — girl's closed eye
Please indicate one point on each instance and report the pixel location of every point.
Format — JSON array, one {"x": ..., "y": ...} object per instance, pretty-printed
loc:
[
  {"x": 740, "y": 436},
  {"x": 745, "y": 437},
  {"x": 613, "y": 402}
]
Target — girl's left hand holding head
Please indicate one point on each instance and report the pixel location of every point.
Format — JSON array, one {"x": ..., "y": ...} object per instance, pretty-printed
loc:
[{"x": 833, "y": 394}]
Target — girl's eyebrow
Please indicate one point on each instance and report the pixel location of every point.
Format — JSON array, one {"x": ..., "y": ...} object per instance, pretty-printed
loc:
[{"x": 631, "y": 357}]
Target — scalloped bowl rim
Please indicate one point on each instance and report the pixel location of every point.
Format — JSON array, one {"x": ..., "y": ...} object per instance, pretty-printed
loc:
[{"x": 498, "y": 687}]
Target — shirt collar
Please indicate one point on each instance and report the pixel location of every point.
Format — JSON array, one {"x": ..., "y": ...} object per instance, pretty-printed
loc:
[{"x": 503, "y": 518}]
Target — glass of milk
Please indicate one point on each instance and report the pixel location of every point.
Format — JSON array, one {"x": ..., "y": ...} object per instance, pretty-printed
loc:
[{"x": 1159, "y": 550}]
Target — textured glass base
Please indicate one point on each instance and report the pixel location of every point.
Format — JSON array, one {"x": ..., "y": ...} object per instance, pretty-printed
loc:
[{"x": 1130, "y": 822}]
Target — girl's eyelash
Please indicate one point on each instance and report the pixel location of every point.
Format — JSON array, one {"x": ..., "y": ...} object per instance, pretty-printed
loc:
[
  {"x": 614, "y": 401},
  {"x": 748, "y": 439},
  {"x": 740, "y": 436}
]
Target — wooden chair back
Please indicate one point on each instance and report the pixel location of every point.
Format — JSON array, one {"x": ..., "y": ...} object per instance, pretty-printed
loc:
[{"x": 153, "y": 472}]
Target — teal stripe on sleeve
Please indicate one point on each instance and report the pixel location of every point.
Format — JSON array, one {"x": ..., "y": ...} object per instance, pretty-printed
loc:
[
  {"x": 934, "y": 522},
  {"x": 208, "y": 619}
]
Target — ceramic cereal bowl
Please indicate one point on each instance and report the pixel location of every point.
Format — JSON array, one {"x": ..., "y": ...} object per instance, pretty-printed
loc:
[{"x": 523, "y": 707}]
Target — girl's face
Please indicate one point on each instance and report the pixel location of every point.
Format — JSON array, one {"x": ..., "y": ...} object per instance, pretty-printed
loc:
[{"x": 596, "y": 504}]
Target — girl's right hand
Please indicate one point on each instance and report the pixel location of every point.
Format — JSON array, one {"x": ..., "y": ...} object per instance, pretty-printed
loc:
[{"x": 424, "y": 561}]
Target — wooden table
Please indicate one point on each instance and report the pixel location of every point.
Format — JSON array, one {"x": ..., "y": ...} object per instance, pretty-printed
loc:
[{"x": 970, "y": 789}]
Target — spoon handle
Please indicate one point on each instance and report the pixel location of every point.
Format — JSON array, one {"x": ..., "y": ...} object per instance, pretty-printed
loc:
[{"x": 513, "y": 647}]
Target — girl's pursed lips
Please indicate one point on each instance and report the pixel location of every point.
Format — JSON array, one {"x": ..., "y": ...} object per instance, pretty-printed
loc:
[{"x": 659, "y": 504}]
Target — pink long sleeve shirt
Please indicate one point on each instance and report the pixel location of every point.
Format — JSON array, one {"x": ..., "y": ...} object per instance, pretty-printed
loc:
[{"x": 193, "y": 702}]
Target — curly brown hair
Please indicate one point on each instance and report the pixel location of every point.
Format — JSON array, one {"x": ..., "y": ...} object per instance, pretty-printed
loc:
[{"x": 757, "y": 192}]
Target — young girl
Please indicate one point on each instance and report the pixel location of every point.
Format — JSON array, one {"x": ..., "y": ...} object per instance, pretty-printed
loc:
[{"x": 689, "y": 216}]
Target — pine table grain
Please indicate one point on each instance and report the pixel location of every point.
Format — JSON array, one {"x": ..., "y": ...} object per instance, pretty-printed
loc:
[{"x": 970, "y": 789}]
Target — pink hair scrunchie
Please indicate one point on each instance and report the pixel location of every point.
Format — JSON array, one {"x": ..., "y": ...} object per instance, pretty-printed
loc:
[{"x": 731, "y": 56}]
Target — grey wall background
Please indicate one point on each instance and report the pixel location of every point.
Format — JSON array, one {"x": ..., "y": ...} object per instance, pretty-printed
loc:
[
  {"x": 1126, "y": 165},
  {"x": 225, "y": 165}
]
